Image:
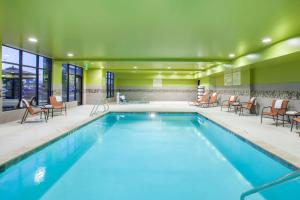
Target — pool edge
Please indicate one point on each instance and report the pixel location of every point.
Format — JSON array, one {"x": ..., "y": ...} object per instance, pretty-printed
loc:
[{"x": 286, "y": 162}]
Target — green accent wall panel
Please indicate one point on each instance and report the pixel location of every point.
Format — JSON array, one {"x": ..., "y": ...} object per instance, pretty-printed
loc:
[
  {"x": 57, "y": 73},
  {"x": 95, "y": 77},
  {"x": 280, "y": 73},
  {"x": 179, "y": 82}
]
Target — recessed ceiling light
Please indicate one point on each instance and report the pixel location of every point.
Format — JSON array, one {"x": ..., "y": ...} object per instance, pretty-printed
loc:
[
  {"x": 135, "y": 67},
  {"x": 231, "y": 55},
  {"x": 253, "y": 56},
  {"x": 266, "y": 40},
  {"x": 31, "y": 39},
  {"x": 70, "y": 54}
]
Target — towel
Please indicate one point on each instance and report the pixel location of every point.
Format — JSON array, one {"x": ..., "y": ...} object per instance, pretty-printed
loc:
[
  {"x": 278, "y": 104},
  {"x": 58, "y": 98},
  {"x": 253, "y": 100}
]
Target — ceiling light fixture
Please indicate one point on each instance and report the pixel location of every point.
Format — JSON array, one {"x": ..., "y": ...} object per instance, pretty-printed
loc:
[
  {"x": 266, "y": 40},
  {"x": 70, "y": 54},
  {"x": 135, "y": 67},
  {"x": 31, "y": 39},
  {"x": 231, "y": 55},
  {"x": 253, "y": 56}
]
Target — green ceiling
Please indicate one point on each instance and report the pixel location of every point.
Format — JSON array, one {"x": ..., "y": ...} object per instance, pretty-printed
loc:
[{"x": 121, "y": 32}]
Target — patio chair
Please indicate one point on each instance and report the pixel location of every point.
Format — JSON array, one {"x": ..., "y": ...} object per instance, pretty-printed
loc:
[
  {"x": 57, "y": 105},
  {"x": 212, "y": 100},
  {"x": 32, "y": 111},
  {"x": 278, "y": 108},
  {"x": 202, "y": 99},
  {"x": 295, "y": 120},
  {"x": 228, "y": 103},
  {"x": 250, "y": 105}
]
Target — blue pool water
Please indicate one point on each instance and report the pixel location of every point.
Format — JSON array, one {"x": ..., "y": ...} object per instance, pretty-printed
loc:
[{"x": 128, "y": 156}]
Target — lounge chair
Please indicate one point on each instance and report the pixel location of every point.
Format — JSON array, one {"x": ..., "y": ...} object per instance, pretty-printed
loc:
[
  {"x": 32, "y": 111},
  {"x": 212, "y": 100},
  {"x": 278, "y": 108},
  {"x": 250, "y": 105},
  {"x": 295, "y": 120},
  {"x": 203, "y": 99},
  {"x": 57, "y": 105},
  {"x": 228, "y": 103}
]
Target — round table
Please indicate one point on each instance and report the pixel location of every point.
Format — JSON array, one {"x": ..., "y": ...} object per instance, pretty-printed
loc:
[{"x": 291, "y": 115}]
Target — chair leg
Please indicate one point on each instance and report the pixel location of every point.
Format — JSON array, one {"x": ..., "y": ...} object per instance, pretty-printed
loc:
[
  {"x": 283, "y": 121},
  {"x": 292, "y": 125},
  {"x": 23, "y": 118},
  {"x": 277, "y": 120},
  {"x": 45, "y": 115},
  {"x": 65, "y": 110}
]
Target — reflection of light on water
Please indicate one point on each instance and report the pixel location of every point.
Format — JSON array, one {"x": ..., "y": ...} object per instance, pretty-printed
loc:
[
  {"x": 39, "y": 175},
  {"x": 100, "y": 139},
  {"x": 201, "y": 121},
  {"x": 212, "y": 147},
  {"x": 152, "y": 115}
]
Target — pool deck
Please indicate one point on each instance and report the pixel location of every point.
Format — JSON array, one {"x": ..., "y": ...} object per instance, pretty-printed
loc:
[{"x": 17, "y": 139}]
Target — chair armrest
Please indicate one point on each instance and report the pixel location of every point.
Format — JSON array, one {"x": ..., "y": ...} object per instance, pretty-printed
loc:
[
  {"x": 224, "y": 101},
  {"x": 262, "y": 110}
]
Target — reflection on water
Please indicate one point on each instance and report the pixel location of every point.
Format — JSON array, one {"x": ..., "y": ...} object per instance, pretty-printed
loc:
[
  {"x": 39, "y": 175},
  {"x": 33, "y": 176}
]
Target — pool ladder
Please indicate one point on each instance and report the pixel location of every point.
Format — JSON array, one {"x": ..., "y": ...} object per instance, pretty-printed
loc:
[
  {"x": 289, "y": 177},
  {"x": 95, "y": 108}
]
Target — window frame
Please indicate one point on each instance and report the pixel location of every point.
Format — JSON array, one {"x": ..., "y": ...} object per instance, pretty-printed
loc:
[
  {"x": 37, "y": 68},
  {"x": 110, "y": 84},
  {"x": 77, "y": 68}
]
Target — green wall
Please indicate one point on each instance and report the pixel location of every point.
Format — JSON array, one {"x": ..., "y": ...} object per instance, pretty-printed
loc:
[
  {"x": 57, "y": 73},
  {"x": 276, "y": 73},
  {"x": 95, "y": 77},
  {"x": 282, "y": 70},
  {"x": 146, "y": 80}
]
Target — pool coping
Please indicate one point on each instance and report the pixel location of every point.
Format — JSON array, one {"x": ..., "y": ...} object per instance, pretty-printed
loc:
[{"x": 278, "y": 155}]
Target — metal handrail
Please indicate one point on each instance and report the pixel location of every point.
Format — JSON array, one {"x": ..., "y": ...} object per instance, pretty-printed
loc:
[
  {"x": 283, "y": 179},
  {"x": 96, "y": 107}
]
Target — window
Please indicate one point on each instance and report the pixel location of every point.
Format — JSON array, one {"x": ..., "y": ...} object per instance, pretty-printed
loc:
[
  {"x": 110, "y": 92},
  {"x": 72, "y": 83},
  {"x": 24, "y": 75}
]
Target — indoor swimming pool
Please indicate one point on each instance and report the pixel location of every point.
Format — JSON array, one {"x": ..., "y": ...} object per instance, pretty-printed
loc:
[{"x": 147, "y": 156}]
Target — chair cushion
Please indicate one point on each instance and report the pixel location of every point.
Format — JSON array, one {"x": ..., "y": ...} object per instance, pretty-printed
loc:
[{"x": 297, "y": 119}]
